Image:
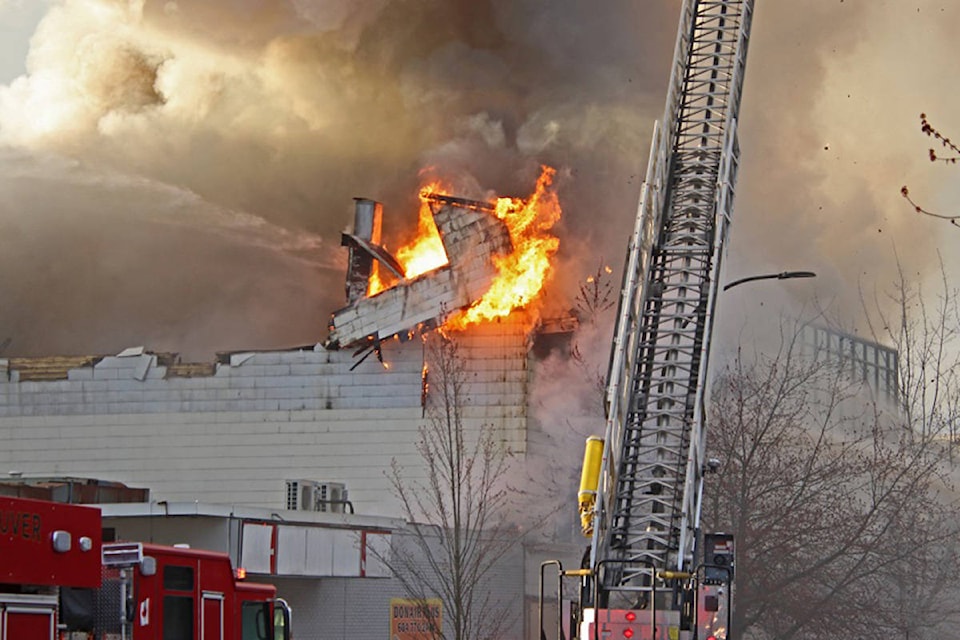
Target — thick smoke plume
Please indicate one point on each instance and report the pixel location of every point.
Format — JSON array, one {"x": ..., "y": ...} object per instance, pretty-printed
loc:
[
  {"x": 176, "y": 174},
  {"x": 145, "y": 133}
]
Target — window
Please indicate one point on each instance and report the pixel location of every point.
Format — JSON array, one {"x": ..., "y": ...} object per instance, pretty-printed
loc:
[
  {"x": 177, "y": 617},
  {"x": 255, "y": 621},
  {"x": 178, "y": 578},
  {"x": 178, "y": 614}
]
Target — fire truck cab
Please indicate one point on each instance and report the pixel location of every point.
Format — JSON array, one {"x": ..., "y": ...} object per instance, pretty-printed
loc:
[
  {"x": 58, "y": 581},
  {"x": 161, "y": 592}
]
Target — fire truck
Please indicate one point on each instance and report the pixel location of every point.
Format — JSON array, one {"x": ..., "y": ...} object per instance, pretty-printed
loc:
[
  {"x": 59, "y": 581},
  {"x": 650, "y": 572}
]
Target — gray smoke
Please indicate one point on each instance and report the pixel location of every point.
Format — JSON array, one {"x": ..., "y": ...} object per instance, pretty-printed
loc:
[
  {"x": 143, "y": 131},
  {"x": 176, "y": 174}
]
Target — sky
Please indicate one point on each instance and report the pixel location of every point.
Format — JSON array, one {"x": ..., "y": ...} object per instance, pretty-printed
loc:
[{"x": 177, "y": 174}]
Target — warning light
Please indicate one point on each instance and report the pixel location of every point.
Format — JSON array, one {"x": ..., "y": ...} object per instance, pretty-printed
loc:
[
  {"x": 631, "y": 616},
  {"x": 242, "y": 574},
  {"x": 711, "y": 637},
  {"x": 628, "y": 633}
]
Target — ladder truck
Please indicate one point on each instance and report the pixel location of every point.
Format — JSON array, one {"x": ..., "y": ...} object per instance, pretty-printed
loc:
[{"x": 650, "y": 573}]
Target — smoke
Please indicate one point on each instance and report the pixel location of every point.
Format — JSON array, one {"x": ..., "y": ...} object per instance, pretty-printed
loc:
[
  {"x": 178, "y": 172},
  {"x": 830, "y": 132},
  {"x": 185, "y": 118}
]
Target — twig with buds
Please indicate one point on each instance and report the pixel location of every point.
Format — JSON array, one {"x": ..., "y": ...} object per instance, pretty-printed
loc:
[{"x": 929, "y": 129}]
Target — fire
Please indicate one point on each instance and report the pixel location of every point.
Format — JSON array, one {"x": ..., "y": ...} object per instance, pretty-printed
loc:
[
  {"x": 522, "y": 273},
  {"x": 423, "y": 253}
]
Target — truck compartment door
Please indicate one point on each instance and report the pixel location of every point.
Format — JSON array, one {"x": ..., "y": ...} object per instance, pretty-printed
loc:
[
  {"x": 211, "y": 616},
  {"x": 28, "y": 622}
]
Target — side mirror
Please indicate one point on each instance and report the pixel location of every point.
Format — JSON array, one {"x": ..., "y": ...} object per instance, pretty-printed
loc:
[{"x": 281, "y": 620}]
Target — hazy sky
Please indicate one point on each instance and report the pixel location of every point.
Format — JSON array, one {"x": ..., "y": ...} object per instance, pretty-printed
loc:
[
  {"x": 18, "y": 19},
  {"x": 176, "y": 174}
]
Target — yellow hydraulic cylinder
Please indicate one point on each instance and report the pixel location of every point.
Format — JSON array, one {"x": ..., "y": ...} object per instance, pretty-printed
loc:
[{"x": 589, "y": 478}]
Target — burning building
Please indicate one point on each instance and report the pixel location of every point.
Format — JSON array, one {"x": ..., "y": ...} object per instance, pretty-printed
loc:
[
  {"x": 470, "y": 261},
  {"x": 245, "y": 428},
  {"x": 471, "y": 237}
]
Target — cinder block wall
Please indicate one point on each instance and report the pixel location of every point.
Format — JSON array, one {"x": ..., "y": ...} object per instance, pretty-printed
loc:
[{"x": 235, "y": 435}]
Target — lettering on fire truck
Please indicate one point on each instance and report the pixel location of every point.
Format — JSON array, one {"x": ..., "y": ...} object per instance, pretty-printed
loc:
[{"x": 23, "y": 524}]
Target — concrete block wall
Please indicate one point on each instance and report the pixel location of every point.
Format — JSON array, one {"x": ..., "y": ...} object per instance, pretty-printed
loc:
[{"x": 234, "y": 436}]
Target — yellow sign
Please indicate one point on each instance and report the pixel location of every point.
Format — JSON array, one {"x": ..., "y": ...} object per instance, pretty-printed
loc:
[{"x": 415, "y": 619}]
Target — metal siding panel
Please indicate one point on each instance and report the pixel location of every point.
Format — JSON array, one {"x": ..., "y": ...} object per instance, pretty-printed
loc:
[
  {"x": 346, "y": 553},
  {"x": 320, "y": 551},
  {"x": 291, "y": 550},
  {"x": 256, "y": 549}
]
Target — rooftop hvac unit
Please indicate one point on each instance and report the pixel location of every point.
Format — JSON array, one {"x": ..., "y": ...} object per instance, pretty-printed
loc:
[{"x": 310, "y": 495}]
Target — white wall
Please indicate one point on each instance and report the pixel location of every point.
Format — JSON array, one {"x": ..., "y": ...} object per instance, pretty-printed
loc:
[{"x": 236, "y": 435}]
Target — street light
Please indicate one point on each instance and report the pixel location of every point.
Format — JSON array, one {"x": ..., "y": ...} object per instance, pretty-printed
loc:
[{"x": 783, "y": 275}]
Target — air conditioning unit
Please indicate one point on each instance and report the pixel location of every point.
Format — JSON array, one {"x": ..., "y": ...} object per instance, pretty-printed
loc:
[
  {"x": 331, "y": 496},
  {"x": 310, "y": 495},
  {"x": 294, "y": 490}
]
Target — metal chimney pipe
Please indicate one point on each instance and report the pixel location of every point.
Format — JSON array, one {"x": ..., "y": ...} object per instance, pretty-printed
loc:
[{"x": 367, "y": 224}]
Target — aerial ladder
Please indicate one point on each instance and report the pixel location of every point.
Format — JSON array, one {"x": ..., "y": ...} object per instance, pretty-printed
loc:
[{"x": 650, "y": 572}]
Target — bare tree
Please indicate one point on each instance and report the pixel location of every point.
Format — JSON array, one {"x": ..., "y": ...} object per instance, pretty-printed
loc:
[
  {"x": 834, "y": 501},
  {"x": 924, "y": 327},
  {"x": 925, "y": 330},
  {"x": 594, "y": 299},
  {"x": 459, "y": 532},
  {"x": 595, "y": 293}
]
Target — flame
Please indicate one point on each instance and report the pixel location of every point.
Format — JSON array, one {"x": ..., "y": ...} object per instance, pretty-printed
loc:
[
  {"x": 424, "y": 253},
  {"x": 521, "y": 274}
]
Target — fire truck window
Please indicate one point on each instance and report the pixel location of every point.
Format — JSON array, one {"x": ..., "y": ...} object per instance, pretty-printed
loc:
[
  {"x": 177, "y": 617},
  {"x": 255, "y": 617},
  {"x": 178, "y": 578}
]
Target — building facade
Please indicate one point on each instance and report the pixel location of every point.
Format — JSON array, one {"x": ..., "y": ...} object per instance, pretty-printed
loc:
[{"x": 233, "y": 434}]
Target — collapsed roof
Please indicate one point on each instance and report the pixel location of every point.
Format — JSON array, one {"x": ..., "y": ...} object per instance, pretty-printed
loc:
[{"x": 471, "y": 235}]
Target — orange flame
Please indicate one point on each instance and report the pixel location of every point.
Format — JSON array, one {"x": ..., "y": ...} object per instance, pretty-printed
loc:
[
  {"x": 522, "y": 273},
  {"x": 424, "y": 253}
]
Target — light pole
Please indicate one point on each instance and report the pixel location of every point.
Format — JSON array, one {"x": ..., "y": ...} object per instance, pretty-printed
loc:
[{"x": 783, "y": 275}]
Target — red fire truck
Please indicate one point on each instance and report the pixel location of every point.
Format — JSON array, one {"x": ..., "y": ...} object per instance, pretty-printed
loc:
[{"x": 58, "y": 581}]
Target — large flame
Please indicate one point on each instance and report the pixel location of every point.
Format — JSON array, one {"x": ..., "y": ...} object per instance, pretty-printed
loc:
[
  {"x": 424, "y": 253},
  {"x": 521, "y": 274}
]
